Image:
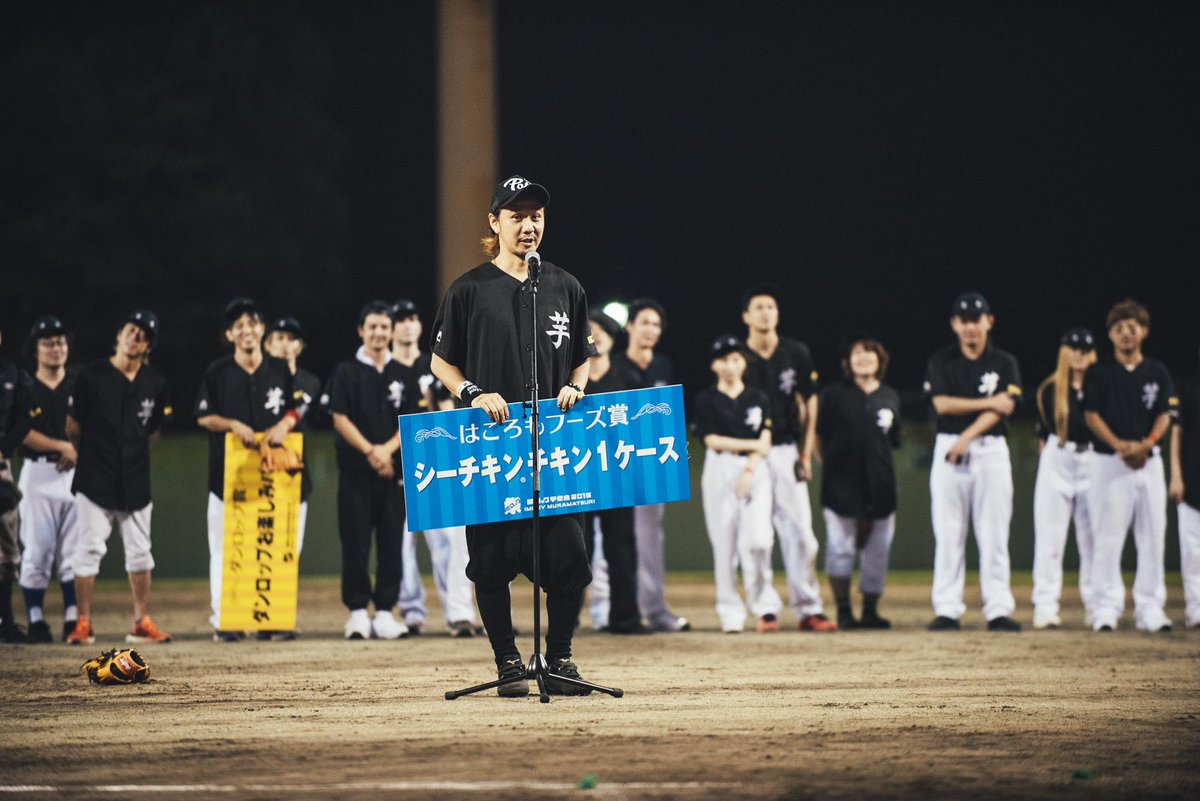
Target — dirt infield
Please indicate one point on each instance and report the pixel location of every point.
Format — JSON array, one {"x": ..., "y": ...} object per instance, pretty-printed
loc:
[{"x": 900, "y": 714}]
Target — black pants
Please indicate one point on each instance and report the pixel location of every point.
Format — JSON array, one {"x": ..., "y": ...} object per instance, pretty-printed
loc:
[
  {"x": 620, "y": 551},
  {"x": 367, "y": 501}
]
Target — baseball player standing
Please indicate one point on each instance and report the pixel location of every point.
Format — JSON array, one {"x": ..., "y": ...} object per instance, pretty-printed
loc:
[
  {"x": 1185, "y": 491},
  {"x": 783, "y": 369},
  {"x": 481, "y": 350},
  {"x": 48, "y": 519},
  {"x": 245, "y": 393},
  {"x": 645, "y": 326},
  {"x": 366, "y": 394},
  {"x": 974, "y": 387},
  {"x": 858, "y": 426},
  {"x": 117, "y": 407},
  {"x": 447, "y": 546},
  {"x": 734, "y": 422},
  {"x": 15, "y": 410},
  {"x": 1128, "y": 403},
  {"x": 1064, "y": 467}
]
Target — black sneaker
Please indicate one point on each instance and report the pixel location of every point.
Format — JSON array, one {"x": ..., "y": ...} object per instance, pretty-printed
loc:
[
  {"x": 1003, "y": 623},
  {"x": 276, "y": 635},
  {"x": 223, "y": 635},
  {"x": 846, "y": 620},
  {"x": 633, "y": 628},
  {"x": 461, "y": 628},
  {"x": 10, "y": 632},
  {"x": 872, "y": 620},
  {"x": 68, "y": 627},
  {"x": 40, "y": 632},
  {"x": 567, "y": 669},
  {"x": 943, "y": 623},
  {"x": 519, "y": 686}
]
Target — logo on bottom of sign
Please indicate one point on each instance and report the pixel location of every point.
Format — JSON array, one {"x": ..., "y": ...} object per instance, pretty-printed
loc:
[{"x": 512, "y": 506}]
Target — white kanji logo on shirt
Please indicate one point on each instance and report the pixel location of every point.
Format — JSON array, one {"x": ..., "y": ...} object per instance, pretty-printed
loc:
[
  {"x": 396, "y": 394},
  {"x": 1150, "y": 395},
  {"x": 274, "y": 400},
  {"x": 558, "y": 328},
  {"x": 754, "y": 417},
  {"x": 884, "y": 419},
  {"x": 146, "y": 410},
  {"x": 787, "y": 381},
  {"x": 425, "y": 382},
  {"x": 988, "y": 383}
]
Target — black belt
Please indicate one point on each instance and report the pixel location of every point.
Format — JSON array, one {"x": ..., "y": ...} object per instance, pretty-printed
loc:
[{"x": 1078, "y": 447}]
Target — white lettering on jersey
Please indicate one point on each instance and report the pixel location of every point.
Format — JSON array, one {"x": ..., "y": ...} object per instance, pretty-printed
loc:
[
  {"x": 396, "y": 394},
  {"x": 146, "y": 410},
  {"x": 274, "y": 400},
  {"x": 1150, "y": 395},
  {"x": 558, "y": 329},
  {"x": 787, "y": 381},
  {"x": 884, "y": 419},
  {"x": 754, "y": 417},
  {"x": 988, "y": 382},
  {"x": 203, "y": 405},
  {"x": 425, "y": 382}
]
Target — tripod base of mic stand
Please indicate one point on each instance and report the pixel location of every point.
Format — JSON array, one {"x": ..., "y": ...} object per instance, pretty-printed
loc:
[{"x": 538, "y": 671}]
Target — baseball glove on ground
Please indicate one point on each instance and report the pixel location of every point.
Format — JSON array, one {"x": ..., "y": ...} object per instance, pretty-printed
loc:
[
  {"x": 279, "y": 460},
  {"x": 118, "y": 666}
]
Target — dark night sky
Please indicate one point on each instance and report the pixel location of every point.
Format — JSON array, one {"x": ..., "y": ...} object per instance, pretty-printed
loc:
[{"x": 872, "y": 159}]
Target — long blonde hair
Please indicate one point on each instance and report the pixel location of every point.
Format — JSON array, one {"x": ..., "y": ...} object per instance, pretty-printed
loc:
[{"x": 1061, "y": 378}]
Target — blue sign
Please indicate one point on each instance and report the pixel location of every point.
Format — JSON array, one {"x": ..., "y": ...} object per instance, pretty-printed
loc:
[{"x": 611, "y": 450}]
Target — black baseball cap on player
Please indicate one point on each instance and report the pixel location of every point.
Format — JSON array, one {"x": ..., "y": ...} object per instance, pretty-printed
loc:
[
  {"x": 970, "y": 304},
  {"x": 508, "y": 190},
  {"x": 1079, "y": 338},
  {"x": 403, "y": 309},
  {"x": 723, "y": 346},
  {"x": 288, "y": 325},
  {"x": 46, "y": 327},
  {"x": 239, "y": 306},
  {"x": 148, "y": 322}
]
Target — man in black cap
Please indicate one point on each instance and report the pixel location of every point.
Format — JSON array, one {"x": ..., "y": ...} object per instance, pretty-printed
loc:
[
  {"x": 48, "y": 518},
  {"x": 15, "y": 409},
  {"x": 481, "y": 353},
  {"x": 118, "y": 406},
  {"x": 974, "y": 387},
  {"x": 246, "y": 393}
]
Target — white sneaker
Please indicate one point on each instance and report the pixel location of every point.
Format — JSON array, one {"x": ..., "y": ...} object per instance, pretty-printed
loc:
[
  {"x": 386, "y": 627},
  {"x": 1045, "y": 619},
  {"x": 358, "y": 627},
  {"x": 1154, "y": 620}
]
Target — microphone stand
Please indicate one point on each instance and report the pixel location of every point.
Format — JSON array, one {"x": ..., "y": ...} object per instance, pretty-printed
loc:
[{"x": 537, "y": 669}]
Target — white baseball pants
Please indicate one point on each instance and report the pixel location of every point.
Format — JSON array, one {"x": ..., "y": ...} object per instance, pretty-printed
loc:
[
  {"x": 648, "y": 533},
  {"x": 1060, "y": 495},
  {"x": 94, "y": 525},
  {"x": 979, "y": 494},
  {"x": 791, "y": 514},
  {"x": 49, "y": 523},
  {"x": 740, "y": 533},
  {"x": 599, "y": 603},
  {"x": 841, "y": 546},
  {"x": 448, "y": 553},
  {"x": 1122, "y": 497},
  {"x": 1189, "y": 559}
]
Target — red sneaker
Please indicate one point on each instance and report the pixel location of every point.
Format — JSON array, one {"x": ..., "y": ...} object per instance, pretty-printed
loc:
[
  {"x": 817, "y": 622},
  {"x": 145, "y": 630},
  {"x": 82, "y": 633}
]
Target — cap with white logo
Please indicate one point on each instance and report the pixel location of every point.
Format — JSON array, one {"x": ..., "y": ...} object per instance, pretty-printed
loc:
[
  {"x": 508, "y": 190},
  {"x": 970, "y": 304}
]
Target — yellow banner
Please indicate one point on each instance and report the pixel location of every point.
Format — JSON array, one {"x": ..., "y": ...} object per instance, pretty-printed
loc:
[{"x": 262, "y": 513}]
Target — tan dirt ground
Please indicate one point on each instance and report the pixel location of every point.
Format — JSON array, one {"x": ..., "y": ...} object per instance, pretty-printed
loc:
[{"x": 904, "y": 714}]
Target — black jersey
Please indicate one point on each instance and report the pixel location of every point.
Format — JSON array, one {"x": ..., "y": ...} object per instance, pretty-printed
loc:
[
  {"x": 259, "y": 399},
  {"x": 308, "y": 400},
  {"x": 952, "y": 374},
  {"x": 788, "y": 371},
  {"x": 1189, "y": 441},
  {"x": 1077, "y": 430},
  {"x": 618, "y": 378},
  {"x": 658, "y": 372},
  {"x": 16, "y": 407},
  {"x": 743, "y": 417},
  {"x": 49, "y": 412},
  {"x": 858, "y": 432},
  {"x": 483, "y": 325},
  {"x": 422, "y": 379},
  {"x": 117, "y": 417},
  {"x": 372, "y": 400},
  {"x": 1129, "y": 401}
]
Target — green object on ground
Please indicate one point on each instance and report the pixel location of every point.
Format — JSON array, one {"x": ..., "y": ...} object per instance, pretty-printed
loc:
[
  {"x": 588, "y": 781},
  {"x": 1081, "y": 773}
]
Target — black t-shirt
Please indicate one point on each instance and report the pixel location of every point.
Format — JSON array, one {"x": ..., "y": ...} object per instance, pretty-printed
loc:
[
  {"x": 952, "y": 374},
  {"x": 49, "y": 412},
  {"x": 1129, "y": 401},
  {"x": 422, "y": 378},
  {"x": 372, "y": 400},
  {"x": 1189, "y": 430},
  {"x": 16, "y": 407},
  {"x": 743, "y": 417},
  {"x": 308, "y": 400},
  {"x": 483, "y": 324},
  {"x": 858, "y": 432},
  {"x": 658, "y": 372},
  {"x": 117, "y": 417},
  {"x": 618, "y": 378},
  {"x": 1077, "y": 430},
  {"x": 788, "y": 371},
  {"x": 259, "y": 399}
]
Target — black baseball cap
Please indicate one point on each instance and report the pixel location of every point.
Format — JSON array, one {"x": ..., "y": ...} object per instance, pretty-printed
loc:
[
  {"x": 46, "y": 327},
  {"x": 288, "y": 325},
  {"x": 853, "y": 338},
  {"x": 403, "y": 309},
  {"x": 147, "y": 321},
  {"x": 970, "y": 304},
  {"x": 723, "y": 346},
  {"x": 239, "y": 306},
  {"x": 508, "y": 190},
  {"x": 1079, "y": 338}
]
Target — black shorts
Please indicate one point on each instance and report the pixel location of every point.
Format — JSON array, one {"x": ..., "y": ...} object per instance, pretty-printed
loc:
[{"x": 499, "y": 551}]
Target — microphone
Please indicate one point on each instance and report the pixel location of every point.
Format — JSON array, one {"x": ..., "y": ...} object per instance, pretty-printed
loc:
[{"x": 534, "y": 262}]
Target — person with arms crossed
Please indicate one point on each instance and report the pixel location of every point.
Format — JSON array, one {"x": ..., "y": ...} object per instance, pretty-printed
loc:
[
  {"x": 366, "y": 394},
  {"x": 48, "y": 518},
  {"x": 858, "y": 427},
  {"x": 245, "y": 393},
  {"x": 1185, "y": 491},
  {"x": 115, "y": 411},
  {"x": 1128, "y": 404},
  {"x": 974, "y": 387},
  {"x": 481, "y": 351},
  {"x": 15, "y": 418},
  {"x": 783, "y": 369},
  {"x": 1060, "y": 494}
]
